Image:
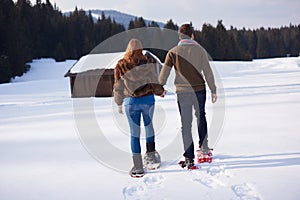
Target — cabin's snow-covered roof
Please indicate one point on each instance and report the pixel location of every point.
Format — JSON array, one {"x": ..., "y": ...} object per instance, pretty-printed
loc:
[
  {"x": 100, "y": 61},
  {"x": 97, "y": 61}
]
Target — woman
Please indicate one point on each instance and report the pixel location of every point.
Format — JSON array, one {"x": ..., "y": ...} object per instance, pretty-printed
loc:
[{"x": 136, "y": 82}]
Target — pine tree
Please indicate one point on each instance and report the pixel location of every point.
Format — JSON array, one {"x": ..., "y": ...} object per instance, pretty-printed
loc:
[
  {"x": 153, "y": 24},
  {"x": 5, "y": 70},
  {"x": 59, "y": 52},
  {"x": 170, "y": 25},
  {"x": 139, "y": 23},
  {"x": 295, "y": 38},
  {"x": 262, "y": 48},
  {"x": 131, "y": 25},
  {"x": 208, "y": 39}
]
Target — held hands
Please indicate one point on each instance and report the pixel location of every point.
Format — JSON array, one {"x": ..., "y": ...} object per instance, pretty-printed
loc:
[
  {"x": 214, "y": 97},
  {"x": 163, "y": 94}
]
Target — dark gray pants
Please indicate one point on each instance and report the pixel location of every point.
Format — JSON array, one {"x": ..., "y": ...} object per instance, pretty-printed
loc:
[{"x": 186, "y": 102}]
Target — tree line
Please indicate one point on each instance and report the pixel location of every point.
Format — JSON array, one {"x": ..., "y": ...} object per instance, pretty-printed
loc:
[
  {"x": 245, "y": 44},
  {"x": 42, "y": 30}
]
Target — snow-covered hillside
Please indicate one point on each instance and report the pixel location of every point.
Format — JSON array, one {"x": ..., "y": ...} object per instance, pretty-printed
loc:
[
  {"x": 119, "y": 17},
  {"x": 43, "y": 154}
]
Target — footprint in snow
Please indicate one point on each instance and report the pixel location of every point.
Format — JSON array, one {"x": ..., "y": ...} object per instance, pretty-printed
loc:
[
  {"x": 148, "y": 187},
  {"x": 215, "y": 170},
  {"x": 214, "y": 176},
  {"x": 153, "y": 180},
  {"x": 245, "y": 192},
  {"x": 133, "y": 192},
  {"x": 209, "y": 182}
]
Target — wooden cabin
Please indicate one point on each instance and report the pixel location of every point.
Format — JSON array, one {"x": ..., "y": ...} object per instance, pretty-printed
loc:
[{"x": 93, "y": 74}]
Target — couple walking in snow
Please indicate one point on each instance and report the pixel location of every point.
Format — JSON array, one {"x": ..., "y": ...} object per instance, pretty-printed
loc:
[{"x": 136, "y": 83}]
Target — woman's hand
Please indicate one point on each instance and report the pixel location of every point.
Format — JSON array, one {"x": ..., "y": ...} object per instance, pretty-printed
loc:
[{"x": 120, "y": 109}]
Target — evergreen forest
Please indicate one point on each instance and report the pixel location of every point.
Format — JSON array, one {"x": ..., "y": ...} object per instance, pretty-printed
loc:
[{"x": 42, "y": 31}]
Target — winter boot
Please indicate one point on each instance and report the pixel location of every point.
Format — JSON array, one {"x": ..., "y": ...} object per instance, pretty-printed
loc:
[
  {"x": 150, "y": 147},
  {"x": 189, "y": 163},
  {"x": 204, "y": 154},
  {"x": 203, "y": 146},
  {"x": 137, "y": 170},
  {"x": 152, "y": 158}
]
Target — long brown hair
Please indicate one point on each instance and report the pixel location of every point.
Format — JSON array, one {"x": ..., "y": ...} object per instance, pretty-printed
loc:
[{"x": 134, "y": 52}]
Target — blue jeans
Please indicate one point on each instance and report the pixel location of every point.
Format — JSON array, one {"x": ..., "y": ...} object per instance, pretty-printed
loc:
[
  {"x": 134, "y": 113},
  {"x": 186, "y": 102}
]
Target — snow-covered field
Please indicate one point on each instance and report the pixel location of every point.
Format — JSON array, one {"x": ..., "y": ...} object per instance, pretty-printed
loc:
[{"x": 44, "y": 152}]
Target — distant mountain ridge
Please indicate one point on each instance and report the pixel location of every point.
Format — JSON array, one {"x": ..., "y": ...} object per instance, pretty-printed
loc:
[{"x": 121, "y": 18}]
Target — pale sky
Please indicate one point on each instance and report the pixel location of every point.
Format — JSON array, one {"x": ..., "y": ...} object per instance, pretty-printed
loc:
[{"x": 238, "y": 13}]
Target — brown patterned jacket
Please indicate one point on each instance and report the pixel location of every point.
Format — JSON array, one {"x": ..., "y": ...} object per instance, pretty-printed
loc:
[{"x": 136, "y": 80}]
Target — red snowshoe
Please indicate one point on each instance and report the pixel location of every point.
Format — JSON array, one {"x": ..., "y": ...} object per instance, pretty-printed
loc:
[
  {"x": 204, "y": 156},
  {"x": 188, "y": 163}
]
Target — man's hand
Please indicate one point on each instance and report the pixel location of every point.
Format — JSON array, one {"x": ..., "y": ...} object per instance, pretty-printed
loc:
[{"x": 214, "y": 98}]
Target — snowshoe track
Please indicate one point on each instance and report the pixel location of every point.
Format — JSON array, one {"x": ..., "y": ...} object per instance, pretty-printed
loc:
[{"x": 148, "y": 187}]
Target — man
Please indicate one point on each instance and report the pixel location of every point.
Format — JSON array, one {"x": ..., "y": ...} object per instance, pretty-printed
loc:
[{"x": 190, "y": 61}]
